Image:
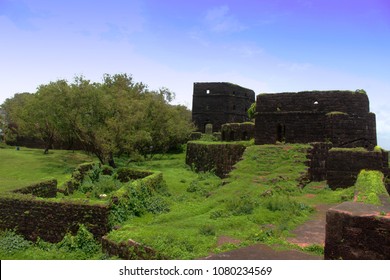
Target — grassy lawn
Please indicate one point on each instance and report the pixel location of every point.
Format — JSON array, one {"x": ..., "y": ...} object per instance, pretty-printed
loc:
[{"x": 26, "y": 166}]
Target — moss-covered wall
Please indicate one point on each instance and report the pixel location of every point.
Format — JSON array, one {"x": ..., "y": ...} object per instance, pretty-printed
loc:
[
  {"x": 129, "y": 250},
  {"x": 50, "y": 220},
  {"x": 42, "y": 189},
  {"x": 216, "y": 157},
  {"x": 238, "y": 131},
  {"x": 33, "y": 214}
]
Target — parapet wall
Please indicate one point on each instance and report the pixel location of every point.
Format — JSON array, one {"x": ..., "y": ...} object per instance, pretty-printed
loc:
[
  {"x": 357, "y": 231},
  {"x": 219, "y": 158}
]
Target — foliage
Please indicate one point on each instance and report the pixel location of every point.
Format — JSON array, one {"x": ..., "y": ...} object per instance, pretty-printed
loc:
[
  {"x": 11, "y": 242},
  {"x": 83, "y": 241},
  {"x": 369, "y": 187},
  {"x": 360, "y": 91},
  {"x": 252, "y": 111},
  {"x": 115, "y": 117}
]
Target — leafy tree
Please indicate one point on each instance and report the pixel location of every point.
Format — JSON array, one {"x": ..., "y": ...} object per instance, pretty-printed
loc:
[
  {"x": 117, "y": 116},
  {"x": 252, "y": 111}
]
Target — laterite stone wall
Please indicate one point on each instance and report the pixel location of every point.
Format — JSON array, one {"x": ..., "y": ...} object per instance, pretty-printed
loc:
[
  {"x": 51, "y": 220},
  {"x": 238, "y": 131},
  {"x": 343, "y": 165},
  {"x": 219, "y": 158},
  {"x": 357, "y": 231}
]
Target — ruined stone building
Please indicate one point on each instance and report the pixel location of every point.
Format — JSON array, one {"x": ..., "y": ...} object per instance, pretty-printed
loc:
[
  {"x": 340, "y": 117},
  {"x": 220, "y": 103}
]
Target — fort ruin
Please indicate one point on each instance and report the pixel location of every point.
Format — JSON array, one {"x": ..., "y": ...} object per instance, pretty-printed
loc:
[
  {"x": 340, "y": 117},
  {"x": 220, "y": 103}
]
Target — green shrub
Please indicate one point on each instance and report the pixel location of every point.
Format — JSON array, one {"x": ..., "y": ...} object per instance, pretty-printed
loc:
[
  {"x": 11, "y": 242},
  {"x": 219, "y": 214},
  {"x": 83, "y": 241},
  {"x": 208, "y": 230},
  {"x": 157, "y": 205},
  {"x": 243, "y": 205},
  {"x": 284, "y": 203}
]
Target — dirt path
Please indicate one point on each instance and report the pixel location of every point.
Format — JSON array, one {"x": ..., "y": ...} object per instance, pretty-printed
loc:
[{"x": 311, "y": 232}]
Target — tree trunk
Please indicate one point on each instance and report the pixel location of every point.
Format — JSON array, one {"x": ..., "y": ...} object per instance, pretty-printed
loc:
[{"x": 111, "y": 161}]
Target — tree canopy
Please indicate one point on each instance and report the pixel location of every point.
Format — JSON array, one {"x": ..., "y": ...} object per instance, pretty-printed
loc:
[{"x": 117, "y": 116}]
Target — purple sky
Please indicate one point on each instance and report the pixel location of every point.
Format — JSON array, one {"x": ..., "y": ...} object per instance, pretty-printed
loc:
[{"x": 268, "y": 46}]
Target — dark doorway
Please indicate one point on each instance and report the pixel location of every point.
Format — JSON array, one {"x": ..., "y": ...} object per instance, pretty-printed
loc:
[{"x": 281, "y": 133}]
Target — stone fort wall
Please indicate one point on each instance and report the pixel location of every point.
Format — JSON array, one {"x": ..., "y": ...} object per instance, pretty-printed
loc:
[
  {"x": 340, "y": 117},
  {"x": 220, "y": 103}
]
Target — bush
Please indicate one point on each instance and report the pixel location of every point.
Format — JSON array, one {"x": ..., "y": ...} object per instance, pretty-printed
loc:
[
  {"x": 242, "y": 205},
  {"x": 284, "y": 203},
  {"x": 11, "y": 242},
  {"x": 207, "y": 230},
  {"x": 83, "y": 241},
  {"x": 157, "y": 205}
]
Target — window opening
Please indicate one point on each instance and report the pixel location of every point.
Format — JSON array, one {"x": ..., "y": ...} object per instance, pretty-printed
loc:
[{"x": 281, "y": 133}]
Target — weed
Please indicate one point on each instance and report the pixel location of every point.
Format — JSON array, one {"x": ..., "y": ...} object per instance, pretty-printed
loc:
[
  {"x": 208, "y": 230},
  {"x": 243, "y": 205}
]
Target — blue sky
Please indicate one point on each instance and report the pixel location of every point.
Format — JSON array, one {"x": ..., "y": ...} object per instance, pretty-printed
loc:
[{"x": 268, "y": 46}]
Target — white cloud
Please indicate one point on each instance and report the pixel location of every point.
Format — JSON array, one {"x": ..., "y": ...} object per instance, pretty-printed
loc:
[{"x": 219, "y": 20}]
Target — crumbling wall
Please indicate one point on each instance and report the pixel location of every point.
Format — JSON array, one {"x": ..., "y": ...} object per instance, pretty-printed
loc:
[
  {"x": 220, "y": 103},
  {"x": 129, "y": 250},
  {"x": 238, "y": 131},
  {"x": 357, "y": 231},
  {"x": 219, "y": 158}
]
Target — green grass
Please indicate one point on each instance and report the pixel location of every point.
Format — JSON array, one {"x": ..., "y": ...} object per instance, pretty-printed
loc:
[
  {"x": 259, "y": 202},
  {"x": 205, "y": 208},
  {"x": 27, "y": 166}
]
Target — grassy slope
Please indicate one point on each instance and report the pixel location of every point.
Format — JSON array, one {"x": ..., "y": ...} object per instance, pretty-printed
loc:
[
  {"x": 235, "y": 209},
  {"x": 21, "y": 168}
]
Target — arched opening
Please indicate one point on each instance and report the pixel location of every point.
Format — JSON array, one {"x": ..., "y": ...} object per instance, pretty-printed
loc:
[
  {"x": 281, "y": 133},
  {"x": 245, "y": 135},
  {"x": 231, "y": 135}
]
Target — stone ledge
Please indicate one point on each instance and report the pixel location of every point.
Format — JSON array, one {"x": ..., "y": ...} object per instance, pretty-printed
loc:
[{"x": 357, "y": 231}]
